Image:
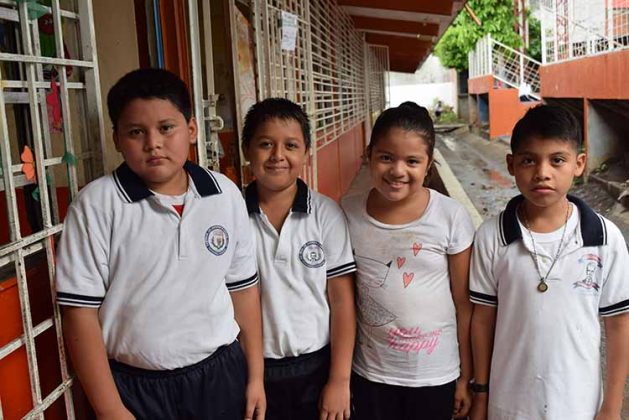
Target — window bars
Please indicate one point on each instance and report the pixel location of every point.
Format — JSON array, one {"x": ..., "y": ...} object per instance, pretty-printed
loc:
[
  {"x": 579, "y": 28},
  {"x": 332, "y": 72},
  {"x": 378, "y": 67},
  {"x": 51, "y": 133}
]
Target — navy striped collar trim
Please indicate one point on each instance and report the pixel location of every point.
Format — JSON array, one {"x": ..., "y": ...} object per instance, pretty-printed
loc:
[
  {"x": 134, "y": 189},
  {"x": 301, "y": 203},
  {"x": 593, "y": 230}
]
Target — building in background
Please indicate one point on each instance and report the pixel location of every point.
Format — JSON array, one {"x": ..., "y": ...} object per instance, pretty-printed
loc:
[{"x": 432, "y": 82}]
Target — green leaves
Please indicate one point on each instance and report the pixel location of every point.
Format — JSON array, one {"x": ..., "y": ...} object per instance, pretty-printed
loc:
[{"x": 496, "y": 18}]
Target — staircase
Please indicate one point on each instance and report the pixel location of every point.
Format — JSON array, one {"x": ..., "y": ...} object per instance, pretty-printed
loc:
[{"x": 513, "y": 68}]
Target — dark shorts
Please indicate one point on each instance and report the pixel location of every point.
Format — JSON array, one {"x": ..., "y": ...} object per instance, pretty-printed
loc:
[
  {"x": 212, "y": 389},
  {"x": 378, "y": 401},
  {"x": 293, "y": 385}
]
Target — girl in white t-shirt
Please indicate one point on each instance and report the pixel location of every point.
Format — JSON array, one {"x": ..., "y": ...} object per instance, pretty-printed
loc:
[{"x": 412, "y": 247}]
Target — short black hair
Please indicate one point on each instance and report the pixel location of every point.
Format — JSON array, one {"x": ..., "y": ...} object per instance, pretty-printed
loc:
[
  {"x": 409, "y": 116},
  {"x": 271, "y": 108},
  {"x": 547, "y": 122},
  {"x": 148, "y": 83}
]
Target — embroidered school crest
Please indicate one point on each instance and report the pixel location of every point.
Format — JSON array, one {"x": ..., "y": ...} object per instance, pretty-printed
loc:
[
  {"x": 216, "y": 240},
  {"x": 592, "y": 263},
  {"x": 311, "y": 254}
]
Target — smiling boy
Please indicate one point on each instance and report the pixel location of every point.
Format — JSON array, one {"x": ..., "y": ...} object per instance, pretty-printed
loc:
[
  {"x": 305, "y": 262},
  {"x": 542, "y": 273}
]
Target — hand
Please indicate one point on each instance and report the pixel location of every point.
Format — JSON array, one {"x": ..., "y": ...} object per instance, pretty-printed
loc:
[
  {"x": 255, "y": 401},
  {"x": 479, "y": 407},
  {"x": 334, "y": 401},
  {"x": 117, "y": 413},
  {"x": 462, "y": 399},
  {"x": 606, "y": 414}
]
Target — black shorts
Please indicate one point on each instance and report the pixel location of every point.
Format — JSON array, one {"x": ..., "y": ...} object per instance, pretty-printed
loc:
[
  {"x": 212, "y": 389},
  {"x": 293, "y": 385},
  {"x": 378, "y": 401}
]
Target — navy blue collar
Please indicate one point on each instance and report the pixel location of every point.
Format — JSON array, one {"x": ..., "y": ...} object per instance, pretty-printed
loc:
[
  {"x": 593, "y": 229},
  {"x": 134, "y": 189},
  {"x": 301, "y": 203}
]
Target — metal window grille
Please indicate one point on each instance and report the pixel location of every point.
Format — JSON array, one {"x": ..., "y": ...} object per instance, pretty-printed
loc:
[
  {"x": 579, "y": 28},
  {"x": 283, "y": 73},
  {"x": 378, "y": 68},
  {"x": 326, "y": 73},
  {"x": 68, "y": 158}
]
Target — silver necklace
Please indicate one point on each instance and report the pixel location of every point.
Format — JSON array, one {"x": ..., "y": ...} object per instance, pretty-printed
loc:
[{"x": 543, "y": 285}]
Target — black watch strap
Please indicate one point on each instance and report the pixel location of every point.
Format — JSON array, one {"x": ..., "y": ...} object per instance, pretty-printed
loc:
[{"x": 478, "y": 388}]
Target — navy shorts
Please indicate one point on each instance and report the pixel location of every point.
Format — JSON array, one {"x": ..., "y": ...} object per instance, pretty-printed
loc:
[
  {"x": 213, "y": 388},
  {"x": 293, "y": 385},
  {"x": 378, "y": 401}
]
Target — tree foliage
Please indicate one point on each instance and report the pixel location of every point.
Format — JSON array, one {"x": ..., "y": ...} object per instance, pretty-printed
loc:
[
  {"x": 535, "y": 38},
  {"x": 496, "y": 18}
]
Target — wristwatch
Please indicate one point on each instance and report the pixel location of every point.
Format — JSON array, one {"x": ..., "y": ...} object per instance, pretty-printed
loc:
[{"x": 479, "y": 388}]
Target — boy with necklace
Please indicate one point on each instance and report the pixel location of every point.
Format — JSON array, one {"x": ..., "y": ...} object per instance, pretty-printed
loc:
[{"x": 542, "y": 273}]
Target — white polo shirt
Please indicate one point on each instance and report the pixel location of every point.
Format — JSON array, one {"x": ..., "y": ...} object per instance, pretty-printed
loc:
[
  {"x": 546, "y": 358},
  {"x": 161, "y": 281},
  {"x": 295, "y": 266}
]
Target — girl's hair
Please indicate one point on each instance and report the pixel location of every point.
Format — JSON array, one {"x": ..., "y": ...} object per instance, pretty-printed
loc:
[{"x": 409, "y": 117}]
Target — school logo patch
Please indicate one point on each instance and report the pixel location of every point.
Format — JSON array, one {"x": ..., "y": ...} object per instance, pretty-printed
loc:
[
  {"x": 216, "y": 240},
  {"x": 311, "y": 254}
]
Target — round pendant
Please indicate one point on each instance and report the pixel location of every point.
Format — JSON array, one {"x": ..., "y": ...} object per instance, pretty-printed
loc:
[{"x": 542, "y": 287}]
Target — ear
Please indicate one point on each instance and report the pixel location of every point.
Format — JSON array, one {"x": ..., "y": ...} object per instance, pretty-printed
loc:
[
  {"x": 581, "y": 161},
  {"x": 193, "y": 130},
  {"x": 116, "y": 140},
  {"x": 510, "y": 164},
  {"x": 429, "y": 166}
]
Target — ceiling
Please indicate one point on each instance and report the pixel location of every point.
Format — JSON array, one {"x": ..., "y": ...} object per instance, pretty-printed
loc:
[{"x": 410, "y": 28}]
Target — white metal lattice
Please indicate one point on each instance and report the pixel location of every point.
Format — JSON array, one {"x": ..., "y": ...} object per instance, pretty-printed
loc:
[
  {"x": 329, "y": 73},
  {"x": 579, "y": 28},
  {"x": 493, "y": 58},
  {"x": 378, "y": 69},
  {"x": 63, "y": 159}
]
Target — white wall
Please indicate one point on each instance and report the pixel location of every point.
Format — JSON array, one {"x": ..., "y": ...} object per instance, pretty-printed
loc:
[
  {"x": 424, "y": 94},
  {"x": 431, "y": 81}
]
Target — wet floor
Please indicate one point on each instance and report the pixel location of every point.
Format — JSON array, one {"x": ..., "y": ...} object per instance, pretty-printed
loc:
[{"x": 480, "y": 168}]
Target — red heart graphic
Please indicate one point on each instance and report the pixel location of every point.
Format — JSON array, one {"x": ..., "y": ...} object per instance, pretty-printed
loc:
[
  {"x": 400, "y": 261},
  {"x": 407, "y": 279},
  {"x": 416, "y": 248}
]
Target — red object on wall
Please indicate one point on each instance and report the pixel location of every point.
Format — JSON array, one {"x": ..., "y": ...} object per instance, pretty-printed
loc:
[{"x": 14, "y": 378}]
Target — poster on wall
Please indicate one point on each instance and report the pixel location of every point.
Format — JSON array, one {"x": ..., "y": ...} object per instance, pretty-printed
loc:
[{"x": 289, "y": 31}]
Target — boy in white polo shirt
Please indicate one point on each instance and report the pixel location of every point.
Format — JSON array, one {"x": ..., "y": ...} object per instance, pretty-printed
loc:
[
  {"x": 305, "y": 263},
  {"x": 542, "y": 273},
  {"x": 155, "y": 272}
]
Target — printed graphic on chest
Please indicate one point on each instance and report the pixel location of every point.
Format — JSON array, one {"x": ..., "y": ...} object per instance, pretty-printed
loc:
[
  {"x": 592, "y": 265},
  {"x": 407, "y": 277},
  {"x": 311, "y": 254},
  {"x": 216, "y": 240}
]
